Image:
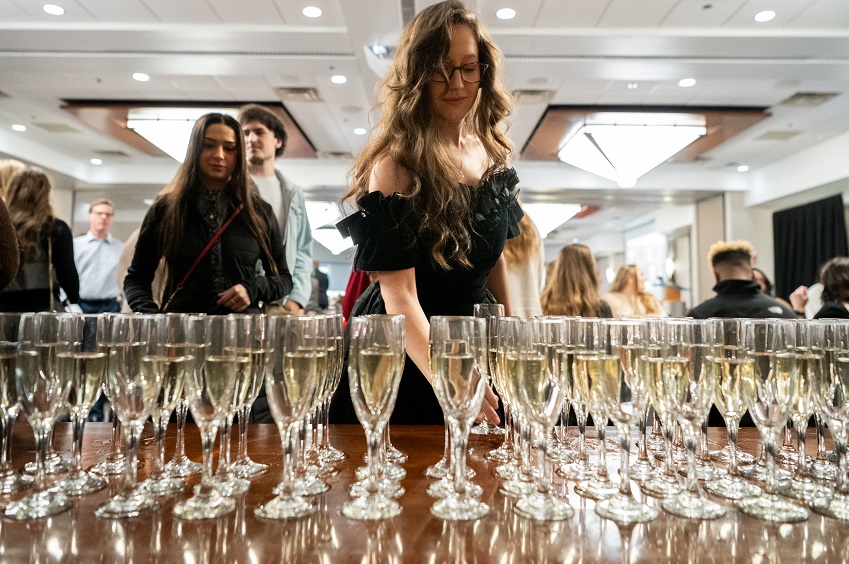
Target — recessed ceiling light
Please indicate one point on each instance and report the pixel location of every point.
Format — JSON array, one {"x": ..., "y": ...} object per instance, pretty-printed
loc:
[
  {"x": 743, "y": 168},
  {"x": 338, "y": 79},
  {"x": 667, "y": 199},
  {"x": 687, "y": 82},
  {"x": 633, "y": 86},
  {"x": 360, "y": 131},
  {"x": 141, "y": 77},
  {"x": 505, "y": 14},
  {"x": 19, "y": 127},
  {"x": 96, "y": 161},
  {"x": 53, "y": 9},
  {"x": 312, "y": 12},
  {"x": 765, "y": 16}
]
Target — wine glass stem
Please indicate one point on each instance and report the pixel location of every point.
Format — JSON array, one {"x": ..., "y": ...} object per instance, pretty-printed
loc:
[
  {"x": 821, "y": 452},
  {"x": 325, "y": 422},
  {"x": 601, "y": 432},
  {"x": 207, "y": 438},
  {"x": 244, "y": 417},
  {"x": 642, "y": 440},
  {"x": 41, "y": 434},
  {"x": 769, "y": 440},
  {"x": 624, "y": 469},
  {"x": 801, "y": 426},
  {"x": 374, "y": 440},
  {"x": 838, "y": 433},
  {"x": 581, "y": 418},
  {"x": 224, "y": 447},
  {"x": 543, "y": 468},
  {"x": 446, "y": 452},
  {"x": 182, "y": 409},
  {"x": 6, "y": 452},
  {"x": 115, "y": 451},
  {"x": 133, "y": 432},
  {"x": 691, "y": 441},
  {"x": 459, "y": 440},
  {"x": 733, "y": 426},
  {"x": 704, "y": 448},
  {"x": 668, "y": 438},
  {"x": 563, "y": 430},
  {"x": 78, "y": 422},
  {"x": 159, "y": 438}
]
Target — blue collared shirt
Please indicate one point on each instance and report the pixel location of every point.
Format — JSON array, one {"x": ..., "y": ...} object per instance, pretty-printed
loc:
[{"x": 97, "y": 261}]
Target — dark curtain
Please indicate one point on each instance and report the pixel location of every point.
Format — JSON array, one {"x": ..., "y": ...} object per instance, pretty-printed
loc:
[{"x": 804, "y": 238}]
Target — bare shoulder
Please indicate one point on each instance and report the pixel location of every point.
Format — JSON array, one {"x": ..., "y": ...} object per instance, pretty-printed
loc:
[{"x": 389, "y": 177}]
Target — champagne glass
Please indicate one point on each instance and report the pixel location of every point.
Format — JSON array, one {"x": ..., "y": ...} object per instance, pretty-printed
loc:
[
  {"x": 181, "y": 465},
  {"x": 166, "y": 356},
  {"x": 42, "y": 390},
  {"x": 622, "y": 383},
  {"x": 772, "y": 346},
  {"x": 540, "y": 390},
  {"x": 115, "y": 462},
  {"x": 243, "y": 466},
  {"x": 10, "y": 407},
  {"x": 580, "y": 469},
  {"x": 489, "y": 312},
  {"x": 690, "y": 385},
  {"x": 336, "y": 340},
  {"x": 735, "y": 387},
  {"x": 290, "y": 385},
  {"x": 214, "y": 340},
  {"x": 831, "y": 397},
  {"x": 374, "y": 370},
  {"x": 457, "y": 348},
  {"x": 134, "y": 395},
  {"x": 591, "y": 361},
  {"x": 504, "y": 453},
  {"x": 85, "y": 361}
]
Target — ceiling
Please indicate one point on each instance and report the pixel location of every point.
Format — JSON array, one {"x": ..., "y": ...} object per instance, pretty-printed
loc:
[{"x": 579, "y": 53}]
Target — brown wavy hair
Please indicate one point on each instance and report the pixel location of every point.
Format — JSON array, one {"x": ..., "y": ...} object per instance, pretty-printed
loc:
[
  {"x": 31, "y": 208},
  {"x": 408, "y": 130},
  {"x": 181, "y": 193},
  {"x": 572, "y": 289},
  {"x": 8, "y": 169},
  {"x": 520, "y": 249},
  {"x": 835, "y": 280},
  {"x": 624, "y": 275}
]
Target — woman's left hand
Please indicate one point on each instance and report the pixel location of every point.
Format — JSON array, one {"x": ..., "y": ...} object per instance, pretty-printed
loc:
[{"x": 235, "y": 298}]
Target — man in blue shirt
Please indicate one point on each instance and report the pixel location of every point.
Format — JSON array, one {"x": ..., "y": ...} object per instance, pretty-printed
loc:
[{"x": 96, "y": 254}]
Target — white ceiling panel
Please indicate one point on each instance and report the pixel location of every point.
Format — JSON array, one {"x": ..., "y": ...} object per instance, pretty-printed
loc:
[
  {"x": 636, "y": 13},
  {"x": 247, "y": 12},
  {"x": 11, "y": 12},
  {"x": 785, "y": 12},
  {"x": 701, "y": 13},
  {"x": 125, "y": 11},
  {"x": 571, "y": 13},
  {"x": 183, "y": 11},
  {"x": 74, "y": 13},
  {"x": 526, "y": 13},
  {"x": 293, "y": 12},
  {"x": 824, "y": 14}
]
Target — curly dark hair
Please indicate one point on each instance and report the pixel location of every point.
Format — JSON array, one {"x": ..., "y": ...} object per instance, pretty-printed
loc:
[{"x": 835, "y": 280}]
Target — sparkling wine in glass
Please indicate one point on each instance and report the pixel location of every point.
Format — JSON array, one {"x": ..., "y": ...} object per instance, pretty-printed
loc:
[
  {"x": 243, "y": 466},
  {"x": 489, "y": 312},
  {"x": 10, "y": 480}
]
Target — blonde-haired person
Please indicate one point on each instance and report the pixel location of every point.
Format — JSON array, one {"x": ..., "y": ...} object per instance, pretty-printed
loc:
[
  {"x": 572, "y": 289},
  {"x": 8, "y": 169},
  {"x": 628, "y": 297},
  {"x": 524, "y": 255},
  {"x": 41, "y": 237},
  {"x": 434, "y": 195}
]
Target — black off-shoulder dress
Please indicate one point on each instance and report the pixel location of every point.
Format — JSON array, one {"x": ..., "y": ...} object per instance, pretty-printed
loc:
[{"x": 386, "y": 232}]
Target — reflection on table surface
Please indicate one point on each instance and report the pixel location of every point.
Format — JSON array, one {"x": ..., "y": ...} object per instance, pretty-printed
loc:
[{"x": 414, "y": 536}]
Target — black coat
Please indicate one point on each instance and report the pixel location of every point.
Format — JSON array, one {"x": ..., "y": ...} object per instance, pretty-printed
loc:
[
  {"x": 740, "y": 298},
  {"x": 239, "y": 249}
]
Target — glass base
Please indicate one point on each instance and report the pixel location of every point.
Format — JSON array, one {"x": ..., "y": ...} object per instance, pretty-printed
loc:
[
  {"x": 459, "y": 509},
  {"x": 757, "y": 473},
  {"x": 229, "y": 486},
  {"x": 596, "y": 489},
  {"x": 579, "y": 471},
  {"x": 835, "y": 506},
  {"x": 732, "y": 488},
  {"x": 501, "y": 454},
  {"x": 661, "y": 486},
  {"x": 693, "y": 507},
  {"x": 823, "y": 470},
  {"x": 705, "y": 472},
  {"x": 38, "y": 505},
  {"x": 625, "y": 510},
  {"x": 773, "y": 508},
  {"x": 182, "y": 467},
  {"x": 642, "y": 470},
  {"x": 395, "y": 456},
  {"x": 507, "y": 471},
  {"x": 440, "y": 470},
  {"x": 110, "y": 467},
  {"x": 723, "y": 456},
  {"x": 445, "y": 488},
  {"x": 13, "y": 483},
  {"x": 389, "y": 471},
  {"x": 487, "y": 428},
  {"x": 247, "y": 468},
  {"x": 204, "y": 507},
  {"x": 542, "y": 507},
  {"x": 331, "y": 454},
  {"x": 517, "y": 488},
  {"x": 386, "y": 488},
  {"x": 560, "y": 454},
  {"x": 371, "y": 508},
  {"x": 80, "y": 484},
  {"x": 124, "y": 506},
  {"x": 803, "y": 489},
  {"x": 54, "y": 464},
  {"x": 163, "y": 486}
]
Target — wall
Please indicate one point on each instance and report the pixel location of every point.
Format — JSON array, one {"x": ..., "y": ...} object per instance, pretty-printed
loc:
[
  {"x": 709, "y": 228},
  {"x": 753, "y": 224}
]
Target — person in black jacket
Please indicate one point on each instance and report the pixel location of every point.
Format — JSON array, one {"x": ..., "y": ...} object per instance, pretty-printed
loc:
[
  {"x": 834, "y": 276},
  {"x": 737, "y": 294},
  {"x": 211, "y": 191}
]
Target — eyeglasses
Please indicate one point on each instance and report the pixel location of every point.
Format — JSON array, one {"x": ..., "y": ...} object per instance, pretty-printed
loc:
[
  {"x": 471, "y": 73},
  {"x": 103, "y": 214}
]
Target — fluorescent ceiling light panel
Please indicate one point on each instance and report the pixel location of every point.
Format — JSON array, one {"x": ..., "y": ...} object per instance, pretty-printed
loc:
[
  {"x": 332, "y": 239},
  {"x": 548, "y": 217},
  {"x": 169, "y": 128}
]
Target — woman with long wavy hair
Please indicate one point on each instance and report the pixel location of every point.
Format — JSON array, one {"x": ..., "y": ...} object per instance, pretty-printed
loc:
[
  {"x": 211, "y": 191},
  {"x": 572, "y": 289},
  {"x": 46, "y": 247},
  {"x": 524, "y": 256},
  {"x": 628, "y": 296},
  {"x": 435, "y": 198}
]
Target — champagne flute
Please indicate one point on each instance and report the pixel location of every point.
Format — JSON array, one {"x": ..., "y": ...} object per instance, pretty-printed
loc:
[
  {"x": 290, "y": 385},
  {"x": 690, "y": 385},
  {"x": 10, "y": 407},
  {"x": 115, "y": 462},
  {"x": 180, "y": 465},
  {"x": 622, "y": 382},
  {"x": 134, "y": 394},
  {"x": 772, "y": 346},
  {"x": 42, "y": 390},
  {"x": 167, "y": 356},
  {"x": 580, "y": 469},
  {"x": 336, "y": 340},
  {"x": 504, "y": 453},
  {"x": 374, "y": 370},
  {"x": 209, "y": 386},
  {"x": 243, "y": 466},
  {"x": 457, "y": 348},
  {"x": 86, "y": 362},
  {"x": 489, "y": 312}
]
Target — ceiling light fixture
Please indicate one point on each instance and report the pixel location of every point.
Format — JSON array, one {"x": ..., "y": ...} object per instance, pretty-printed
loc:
[
  {"x": 19, "y": 127},
  {"x": 743, "y": 168},
  {"x": 687, "y": 82},
  {"x": 633, "y": 86},
  {"x": 140, "y": 77},
  {"x": 169, "y": 128},
  {"x": 622, "y": 147},
  {"x": 338, "y": 79},
  {"x": 312, "y": 12},
  {"x": 53, "y": 9},
  {"x": 548, "y": 217},
  {"x": 96, "y": 161},
  {"x": 360, "y": 131},
  {"x": 765, "y": 16},
  {"x": 505, "y": 14}
]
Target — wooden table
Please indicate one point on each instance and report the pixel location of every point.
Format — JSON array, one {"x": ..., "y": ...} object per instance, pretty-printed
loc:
[{"x": 414, "y": 536}]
